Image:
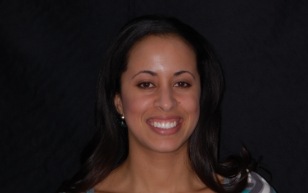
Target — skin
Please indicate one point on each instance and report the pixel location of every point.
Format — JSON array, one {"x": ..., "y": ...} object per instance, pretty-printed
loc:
[{"x": 159, "y": 99}]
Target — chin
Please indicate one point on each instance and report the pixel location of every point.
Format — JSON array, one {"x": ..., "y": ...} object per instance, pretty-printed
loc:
[{"x": 169, "y": 148}]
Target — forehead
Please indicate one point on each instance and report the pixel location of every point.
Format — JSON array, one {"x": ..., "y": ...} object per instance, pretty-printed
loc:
[
  {"x": 161, "y": 49},
  {"x": 149, "y": 39}
]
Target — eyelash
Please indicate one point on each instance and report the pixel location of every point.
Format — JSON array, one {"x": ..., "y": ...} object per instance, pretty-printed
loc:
[
  {"x": 147, "y": 85},
  {"x": 183, "y": 84}
]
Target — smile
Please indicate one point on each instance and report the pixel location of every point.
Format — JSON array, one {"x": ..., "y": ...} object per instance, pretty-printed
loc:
[{"x": 164, "y": 125}]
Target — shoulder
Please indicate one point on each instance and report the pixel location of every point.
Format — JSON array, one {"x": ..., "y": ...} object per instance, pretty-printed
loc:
[{"x": 257, "y": 184}]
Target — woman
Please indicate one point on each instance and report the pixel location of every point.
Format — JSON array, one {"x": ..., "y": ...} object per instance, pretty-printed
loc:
[{"x": 158, "y": 117}]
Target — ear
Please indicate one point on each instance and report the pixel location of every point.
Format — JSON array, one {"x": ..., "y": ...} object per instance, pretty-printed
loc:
[{"x": 118, "y": 103}]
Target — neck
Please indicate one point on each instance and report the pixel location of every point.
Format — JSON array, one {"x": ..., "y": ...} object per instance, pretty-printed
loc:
[{"x": 149, "y": 171}]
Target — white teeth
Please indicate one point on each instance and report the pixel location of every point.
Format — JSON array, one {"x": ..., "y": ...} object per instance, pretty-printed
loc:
[{"x": 164, "y": 125}]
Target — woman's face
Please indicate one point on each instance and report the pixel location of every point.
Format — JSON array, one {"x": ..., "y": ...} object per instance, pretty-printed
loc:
[{"x": 160, "y": 93}]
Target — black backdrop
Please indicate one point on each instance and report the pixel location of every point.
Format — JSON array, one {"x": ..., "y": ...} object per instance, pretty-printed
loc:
[{"x": 50, "y": 55}]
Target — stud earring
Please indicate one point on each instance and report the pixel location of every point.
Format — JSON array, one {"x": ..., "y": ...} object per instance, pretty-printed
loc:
[{"x": 123, "y": 121}]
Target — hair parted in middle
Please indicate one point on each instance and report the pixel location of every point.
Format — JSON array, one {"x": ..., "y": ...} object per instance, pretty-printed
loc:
[{"x": 112, "y": 147}]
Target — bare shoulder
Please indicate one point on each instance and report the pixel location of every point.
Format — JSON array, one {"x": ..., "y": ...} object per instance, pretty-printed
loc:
[
  {"x": 115, "y": 182},
  {"x": 205, "y": 190}
]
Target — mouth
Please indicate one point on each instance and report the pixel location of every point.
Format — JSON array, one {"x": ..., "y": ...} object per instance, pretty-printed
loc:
[{"x": 164, "y": 124}]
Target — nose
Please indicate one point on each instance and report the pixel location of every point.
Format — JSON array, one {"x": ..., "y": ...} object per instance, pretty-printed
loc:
[{"x": 165, "y": 99}]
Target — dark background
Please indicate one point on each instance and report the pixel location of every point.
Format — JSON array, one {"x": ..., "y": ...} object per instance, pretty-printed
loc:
[{"x": 50, "y": 53}]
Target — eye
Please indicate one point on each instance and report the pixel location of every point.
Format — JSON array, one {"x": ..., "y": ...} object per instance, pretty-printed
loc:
[
  {"x": 145, "y": 85},
  {"x": 182, "y": 84}
]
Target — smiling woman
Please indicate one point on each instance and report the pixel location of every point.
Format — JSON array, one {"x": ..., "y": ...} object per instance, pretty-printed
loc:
[
  {"x": 159, "y": 96},
  {"x": 158, "y": 117}
]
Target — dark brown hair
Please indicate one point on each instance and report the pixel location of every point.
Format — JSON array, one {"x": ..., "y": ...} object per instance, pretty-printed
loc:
[{"x": 112, "y": 147}]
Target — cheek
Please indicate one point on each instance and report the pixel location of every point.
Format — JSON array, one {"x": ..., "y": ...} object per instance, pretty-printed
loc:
[
  {"x": 191, "y": 102},
  {"x": 133, "y": 104},
  {"x": 192, "y": 106}
]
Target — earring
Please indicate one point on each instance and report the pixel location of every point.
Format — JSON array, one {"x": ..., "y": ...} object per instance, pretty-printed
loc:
[{"x": 123, "y": 121}]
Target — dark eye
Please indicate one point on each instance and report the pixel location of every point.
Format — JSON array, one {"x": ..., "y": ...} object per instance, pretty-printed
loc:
[
  {"x": 145, "y": 85},
  {"x": 182, "y": 84}
]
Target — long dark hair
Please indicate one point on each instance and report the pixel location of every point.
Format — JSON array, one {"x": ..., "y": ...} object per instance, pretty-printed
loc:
[{"x": 112, "y": 146}]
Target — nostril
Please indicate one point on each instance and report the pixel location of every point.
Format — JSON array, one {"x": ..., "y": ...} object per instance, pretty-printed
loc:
[{"x": 166, "y": 100}]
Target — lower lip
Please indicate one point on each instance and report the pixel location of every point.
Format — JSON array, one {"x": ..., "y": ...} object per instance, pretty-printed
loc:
[{"x": 170, "y": 131}]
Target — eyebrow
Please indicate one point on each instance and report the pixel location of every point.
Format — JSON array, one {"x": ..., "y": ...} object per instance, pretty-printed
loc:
[
  {"x": 155, "y": 74},
  {"x": 183, "y": 72},
  {"x": 147, "y": 72}
]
